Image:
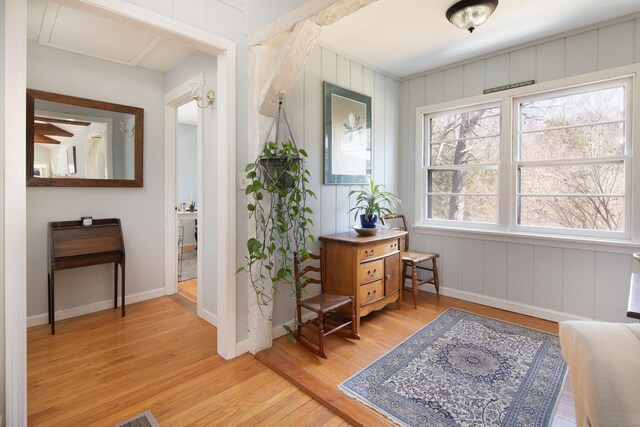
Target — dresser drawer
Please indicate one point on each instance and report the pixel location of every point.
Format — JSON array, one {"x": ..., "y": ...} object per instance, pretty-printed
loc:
[
  {"x": 371, "y": 292},
  {"x": 377, "y": 250},
  {"x": 370, "y": 271}
]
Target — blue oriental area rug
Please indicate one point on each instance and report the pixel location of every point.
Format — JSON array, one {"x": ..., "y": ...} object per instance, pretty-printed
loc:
[{"x": 464, "y": 369}]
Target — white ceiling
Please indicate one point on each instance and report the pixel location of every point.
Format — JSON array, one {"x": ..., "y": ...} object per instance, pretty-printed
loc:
[
  {"x": 65, "y": 28},
  {"x": 405, "y": 37}
]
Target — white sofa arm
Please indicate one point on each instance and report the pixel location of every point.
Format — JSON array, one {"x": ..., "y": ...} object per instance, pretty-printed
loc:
[{"x": 604, "y": 364}]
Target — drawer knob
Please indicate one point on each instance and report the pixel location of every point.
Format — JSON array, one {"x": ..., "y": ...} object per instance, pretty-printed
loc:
[{"x": 387, "y": 276}]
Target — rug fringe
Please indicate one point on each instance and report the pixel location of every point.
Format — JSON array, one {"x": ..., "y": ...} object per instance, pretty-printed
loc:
[{"x": 372, "y": 406}]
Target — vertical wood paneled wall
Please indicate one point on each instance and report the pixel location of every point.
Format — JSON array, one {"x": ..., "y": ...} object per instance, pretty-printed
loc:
[
  {"x": 304, "y": 106},
  {"x": 586, "y": 283}
]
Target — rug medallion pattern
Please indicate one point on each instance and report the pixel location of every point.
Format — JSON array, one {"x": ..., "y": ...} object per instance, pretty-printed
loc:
[{"x": 465, "y": 369}]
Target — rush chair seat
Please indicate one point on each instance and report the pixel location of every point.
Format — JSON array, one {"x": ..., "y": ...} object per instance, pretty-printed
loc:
[
  {"x": 333, "y": 312},
  {"x": 414, "y": 259}
]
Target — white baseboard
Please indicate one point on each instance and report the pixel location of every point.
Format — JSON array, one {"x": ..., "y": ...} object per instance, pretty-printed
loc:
[
  {"x": 43, "y": 319},
  {"x": 208, "y": 316},
  {"x": 278, "y": 331},
  {"x": 516, "y": 307},
  {"x": 242, "y": 347}
]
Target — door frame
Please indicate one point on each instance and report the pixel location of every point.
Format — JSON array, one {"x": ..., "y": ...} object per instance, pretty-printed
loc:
[
  {"x": 15, "y": 210},
  {"x": 173, "y": 100}
]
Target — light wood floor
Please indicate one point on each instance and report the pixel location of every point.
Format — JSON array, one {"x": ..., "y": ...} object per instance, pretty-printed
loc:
[
  {"x": 189, "y": 289},
  {"x": 100, "y": 369},
  {"x": 380, "y": 332}
]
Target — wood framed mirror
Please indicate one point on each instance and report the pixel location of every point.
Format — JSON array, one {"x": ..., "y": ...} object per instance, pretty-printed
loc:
[{"x": 78, "y": 142}]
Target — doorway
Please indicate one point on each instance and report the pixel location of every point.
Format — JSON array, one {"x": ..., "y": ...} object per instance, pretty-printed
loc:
[
  {"x": 15, "y": 263},
  {"x": 187, "y": 185}
]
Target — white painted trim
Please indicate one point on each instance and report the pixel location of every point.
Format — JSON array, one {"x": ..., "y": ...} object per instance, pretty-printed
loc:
[
  {"x": 516, "y": 307},
  {"x": 242, "y": 347},
  {"x": 43, "y": 318},
  {"x": 151, "y": 21},
  {"x": 15, "y": 212},
  {"x": 202, "y": 206},
  {"x": 279, "y": 331},
  {"x": 208, "y": 316},
  {"x": 173, "y": 99},
  {"x": 15, "y": 185},
  {"x": 225, "y": 260}
]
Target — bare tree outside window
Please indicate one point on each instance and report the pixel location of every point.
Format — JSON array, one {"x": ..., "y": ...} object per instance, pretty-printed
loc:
[
  {"x": 463, "y": 159},
  {"x": 570, "y": 168}
]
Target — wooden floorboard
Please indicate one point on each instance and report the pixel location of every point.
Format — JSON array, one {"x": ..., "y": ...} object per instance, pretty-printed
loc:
[
  {"x": 189, "y": 289},
  {"x": 380, "y": 332},
  {"x": 100, "y": 369}
]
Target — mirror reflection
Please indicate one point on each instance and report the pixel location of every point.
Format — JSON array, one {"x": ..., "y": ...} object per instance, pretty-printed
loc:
[{"x": 81, "y": 142}]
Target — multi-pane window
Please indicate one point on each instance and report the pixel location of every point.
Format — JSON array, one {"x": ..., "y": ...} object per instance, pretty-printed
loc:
[
  {"x": 561, "y": 165},
  {"x": 462, "y": 164},
  {"x": 571, "y": 159}
]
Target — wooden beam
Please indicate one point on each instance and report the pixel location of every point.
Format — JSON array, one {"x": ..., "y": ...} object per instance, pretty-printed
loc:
[
  {"x": 338, "y": 10},
  {"x": 49, "y": 129},
  {"x": 43, "y": 139},
  {"x": 321, "y": 12},
  {"x": 288, "y": 68},
  {"x": 62, "y": 121}
]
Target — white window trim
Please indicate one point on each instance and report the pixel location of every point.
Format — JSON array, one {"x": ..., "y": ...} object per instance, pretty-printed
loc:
[
  {"x": 425, "y": 155},
  {"x": 506, "y": 214}
]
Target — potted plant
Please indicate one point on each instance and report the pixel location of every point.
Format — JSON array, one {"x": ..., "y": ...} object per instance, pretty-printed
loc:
[
  {"x": 372, "y": 202},
  {"x": 277, "y": 193}
]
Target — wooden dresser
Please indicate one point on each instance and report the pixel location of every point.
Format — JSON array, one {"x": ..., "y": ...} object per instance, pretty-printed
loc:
[{"x": 367, "y": 267}]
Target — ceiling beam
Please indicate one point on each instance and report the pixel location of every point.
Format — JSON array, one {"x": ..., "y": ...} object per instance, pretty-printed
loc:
[
  {"x": 321, "y": 12},
  {"x": 288, "y": 68},
  {"x": 61, "y": 121},
  {"x": 49, "y": 129},
  {"x": 42, "y": 139}
]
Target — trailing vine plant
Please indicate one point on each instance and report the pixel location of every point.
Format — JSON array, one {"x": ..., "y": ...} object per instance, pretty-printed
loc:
[{"x": 277, "y": 192}]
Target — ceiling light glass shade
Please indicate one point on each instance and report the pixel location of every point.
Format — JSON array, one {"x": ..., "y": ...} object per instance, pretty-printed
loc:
[{"x": 469, "y": 14}]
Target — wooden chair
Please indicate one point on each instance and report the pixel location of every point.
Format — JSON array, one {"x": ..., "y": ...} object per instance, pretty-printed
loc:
[
  {"x": 333, "y": 312},
  {"x": 414, "y": 260}
]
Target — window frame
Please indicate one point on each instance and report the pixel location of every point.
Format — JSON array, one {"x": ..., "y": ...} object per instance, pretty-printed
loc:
[
  {"x": 509, "y": 101},
  {"x": 426, "y": 159},
  {"x": 625, "y": 158}
]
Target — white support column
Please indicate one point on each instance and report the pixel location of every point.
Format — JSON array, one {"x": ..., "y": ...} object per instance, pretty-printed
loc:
[
  {"x": 15, "y": 212},
  {"x": 261, "y": 61}
]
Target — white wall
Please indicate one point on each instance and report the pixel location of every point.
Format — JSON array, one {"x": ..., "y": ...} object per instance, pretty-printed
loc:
[
  {"x": 577, "y": 280},
  {"x": 140, "y": 209},
  {"x": 2, "y": 243},
  {"x": 304, "y": 107},
  {"x": 187, "y": 173}
]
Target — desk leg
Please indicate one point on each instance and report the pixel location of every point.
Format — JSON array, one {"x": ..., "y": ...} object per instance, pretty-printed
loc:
[
  {"x": 49, "y": 295},
  {"x": 115, "y": 285},
  {"x": 123, "y": 276},
  {"x": 52, "y": 305}
]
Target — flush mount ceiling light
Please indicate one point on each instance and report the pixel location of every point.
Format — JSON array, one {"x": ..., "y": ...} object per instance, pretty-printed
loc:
[{"x": 469, "y": 14}]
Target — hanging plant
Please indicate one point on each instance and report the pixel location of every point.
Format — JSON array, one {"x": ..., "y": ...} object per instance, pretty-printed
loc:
[{"x": 277, "y": 193}]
